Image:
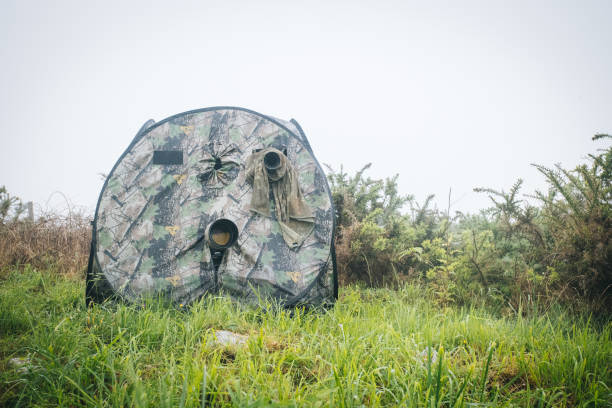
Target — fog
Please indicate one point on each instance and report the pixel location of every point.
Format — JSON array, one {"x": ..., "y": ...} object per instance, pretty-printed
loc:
[{"x": 449, "y": 95}]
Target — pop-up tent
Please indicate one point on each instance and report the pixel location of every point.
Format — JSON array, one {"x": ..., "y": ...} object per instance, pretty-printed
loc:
[{"x": 216, "y": 199}]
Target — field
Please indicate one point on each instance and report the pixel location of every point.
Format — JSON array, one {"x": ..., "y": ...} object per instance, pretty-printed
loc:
[{"x": 376, "y": 347}]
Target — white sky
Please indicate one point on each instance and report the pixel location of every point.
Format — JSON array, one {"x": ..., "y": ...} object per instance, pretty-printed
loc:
[{"x": 455, "y": 94}]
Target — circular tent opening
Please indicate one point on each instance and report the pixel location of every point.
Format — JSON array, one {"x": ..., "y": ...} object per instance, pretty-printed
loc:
[{"x": 222, "y": 234}]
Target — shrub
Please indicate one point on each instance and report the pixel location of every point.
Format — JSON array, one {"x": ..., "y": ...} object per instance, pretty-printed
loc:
[
  {"x": 577, "y": 211},
  {"x": 512, "y": 252}
]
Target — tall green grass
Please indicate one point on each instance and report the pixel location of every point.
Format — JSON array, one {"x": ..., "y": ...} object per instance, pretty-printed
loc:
[{"x": 376, "y": 347}]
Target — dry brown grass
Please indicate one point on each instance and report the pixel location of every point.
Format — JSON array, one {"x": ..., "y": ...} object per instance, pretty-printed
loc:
[{"x": 60, "y": 242}]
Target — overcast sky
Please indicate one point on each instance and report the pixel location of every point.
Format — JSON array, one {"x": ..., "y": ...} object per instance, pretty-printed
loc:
[{"x": 456, "y": 94}]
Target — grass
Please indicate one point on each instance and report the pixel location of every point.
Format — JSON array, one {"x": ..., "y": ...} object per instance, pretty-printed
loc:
[{"x": 376, "y": 347}]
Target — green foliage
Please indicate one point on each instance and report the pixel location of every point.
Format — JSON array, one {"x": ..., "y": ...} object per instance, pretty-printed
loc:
[
  {"x": 563, "y": 248},
  {"x": 376, "y": 347},
  {"x": 356, "y": 197},
  {"x": 511, "y": 254},
  {"x": 577, "y": 212},
  {"x": 377, "y": 243}
]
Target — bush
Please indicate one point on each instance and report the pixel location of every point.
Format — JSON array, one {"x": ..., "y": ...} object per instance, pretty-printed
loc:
[
  {"x": 513, "y": 253},
  {"x": 577, "y": 213}
]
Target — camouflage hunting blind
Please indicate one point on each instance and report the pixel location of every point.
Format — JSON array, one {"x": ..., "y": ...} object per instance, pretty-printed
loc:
[{"x": 216, "y": 199}]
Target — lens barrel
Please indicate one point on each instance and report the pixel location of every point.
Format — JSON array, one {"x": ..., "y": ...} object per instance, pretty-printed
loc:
[
  {"x": 222, "y": 234},
  {"x": 272, "y": 161}
]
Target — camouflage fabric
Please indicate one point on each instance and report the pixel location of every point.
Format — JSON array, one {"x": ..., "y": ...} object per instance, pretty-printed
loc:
[
  {"x": 292, "y": 213},
  {"x": 152, "y": 217}
]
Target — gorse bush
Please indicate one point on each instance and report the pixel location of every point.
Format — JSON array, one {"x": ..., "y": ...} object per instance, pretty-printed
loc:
[
  {"x": 577, "y": 212},
  {"x": 512, "y": 253},
  {"x": 374, "y": 238},
  {"x": 561, "y": 248}
]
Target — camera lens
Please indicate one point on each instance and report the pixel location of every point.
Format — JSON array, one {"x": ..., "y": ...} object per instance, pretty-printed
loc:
[
  {"x": 272, "y": 161},
  {"x": 222, "y": 234}
]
